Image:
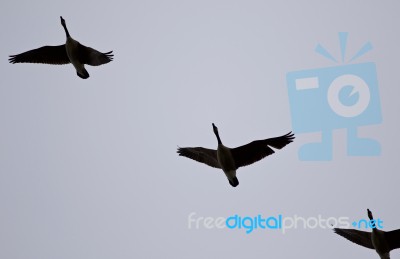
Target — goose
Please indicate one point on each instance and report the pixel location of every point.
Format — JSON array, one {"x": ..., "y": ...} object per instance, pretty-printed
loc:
[
  {"x": 70, "y": 52},
  {"x": 381, "y": 241},
  {"x": 230, "y": 159}
]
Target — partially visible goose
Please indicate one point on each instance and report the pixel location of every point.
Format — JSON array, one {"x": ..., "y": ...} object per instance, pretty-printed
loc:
[
  {"x": 383, "y": 242},
  {"x": 230, "y": 159},
  {"x": 71, "y": 52}
]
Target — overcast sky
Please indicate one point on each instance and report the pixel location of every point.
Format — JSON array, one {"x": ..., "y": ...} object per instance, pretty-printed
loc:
[{"x": 88, "y": 168}]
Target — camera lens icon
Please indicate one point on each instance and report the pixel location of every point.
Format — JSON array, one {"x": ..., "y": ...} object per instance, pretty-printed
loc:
[{"x": 359, "y": 86}]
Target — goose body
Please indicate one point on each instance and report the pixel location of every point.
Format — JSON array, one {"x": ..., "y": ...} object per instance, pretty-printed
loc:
[
  {"x": 381, "y": 241},
  {"x": 71, "y": 46},
  {"x": 71, "y": 52},
  {"x": 230, "y": 159},
  {"x": 225, "y": 159}
]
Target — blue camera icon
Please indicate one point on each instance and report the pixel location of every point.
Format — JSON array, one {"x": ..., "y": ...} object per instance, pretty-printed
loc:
[{"x": 331, "y": 98}]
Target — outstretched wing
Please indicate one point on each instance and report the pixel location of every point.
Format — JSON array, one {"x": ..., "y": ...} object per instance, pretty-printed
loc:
[
  {"x": 54, "y": 55},
  {"x": 393, "y": 238},
  {"x": 361, "y": 238},
  {"x": 200, "y": 154},
  {"x": 93, "y": 57},
  {"x": 257, "y": 150}
]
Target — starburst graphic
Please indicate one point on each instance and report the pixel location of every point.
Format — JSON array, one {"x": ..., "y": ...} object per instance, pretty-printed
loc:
[{"x": 343, "y": 47}]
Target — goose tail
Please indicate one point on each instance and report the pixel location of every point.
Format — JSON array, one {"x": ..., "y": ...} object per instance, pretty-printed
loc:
[{"x": 83, "y": 74}]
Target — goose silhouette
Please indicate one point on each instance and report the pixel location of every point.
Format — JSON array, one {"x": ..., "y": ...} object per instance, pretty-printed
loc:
[
  {"x": 70, "y": 52},
  {"x": 381, "y": 241},
  {"x": 230, "y": 159}
]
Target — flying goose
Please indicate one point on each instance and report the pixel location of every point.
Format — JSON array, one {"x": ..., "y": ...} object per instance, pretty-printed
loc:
[
  {"x": 71, "y": 52},
  {"x": 383, "y": 242},
  {"x": 230, "y": 159}
]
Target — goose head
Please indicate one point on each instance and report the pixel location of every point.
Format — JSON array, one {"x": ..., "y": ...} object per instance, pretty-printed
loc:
[
  {"x": 215, "y": 129},
  {"x": 65, "y": 26},
  {"x": 370, "y": 214},
  {"x": 62, "y": 21},
  {"x": 216, "y": 133}
]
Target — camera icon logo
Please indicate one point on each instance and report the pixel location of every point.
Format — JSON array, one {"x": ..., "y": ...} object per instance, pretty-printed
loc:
[{"x": 343, "y": 96}]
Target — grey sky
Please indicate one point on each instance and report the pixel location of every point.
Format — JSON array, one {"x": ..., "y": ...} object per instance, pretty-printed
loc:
[{"x": 88, "y": 168}]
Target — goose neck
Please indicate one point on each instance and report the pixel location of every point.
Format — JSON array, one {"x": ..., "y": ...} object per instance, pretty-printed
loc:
[
  {"x": 66, "y": 31},
  {"x": 218, "y": 138}
]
